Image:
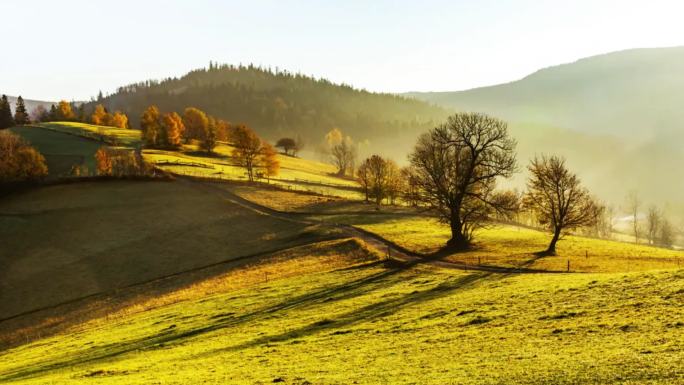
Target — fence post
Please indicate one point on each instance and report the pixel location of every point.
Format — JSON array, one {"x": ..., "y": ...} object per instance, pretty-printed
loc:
[{"x": 568, "y": 265}]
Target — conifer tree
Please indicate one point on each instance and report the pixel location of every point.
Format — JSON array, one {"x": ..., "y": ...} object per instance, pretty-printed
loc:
[
  {"x": 20, "y": 114},
  {"x": 6, "y": 120}
]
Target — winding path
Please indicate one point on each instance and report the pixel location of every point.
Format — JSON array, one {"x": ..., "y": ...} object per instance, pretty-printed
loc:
[{"x": 373, "y": 240}]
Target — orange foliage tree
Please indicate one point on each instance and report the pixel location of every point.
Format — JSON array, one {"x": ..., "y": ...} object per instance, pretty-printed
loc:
[{"x": 18, "y": 160}]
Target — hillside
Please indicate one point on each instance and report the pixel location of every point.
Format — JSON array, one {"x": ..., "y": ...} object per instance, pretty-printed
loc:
[
  {"x": 281, "y": 103},
  {"x": 30, "y": 104},
  {"x": 334, "y": 316},
  {"x": 617, "y": 117}
]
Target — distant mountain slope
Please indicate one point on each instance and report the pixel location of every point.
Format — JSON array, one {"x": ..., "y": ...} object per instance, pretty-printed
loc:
[
  {"x": 618, "y": 118},
  {"x": 634, "y": 92},
  {"x": 281, "y": 103},
  {"x": 30, "y": 104}
]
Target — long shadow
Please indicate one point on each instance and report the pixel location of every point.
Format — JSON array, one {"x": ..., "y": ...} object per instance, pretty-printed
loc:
[
  {"x": 337, "y": 292},
  {"x": 363, "y": 314}
]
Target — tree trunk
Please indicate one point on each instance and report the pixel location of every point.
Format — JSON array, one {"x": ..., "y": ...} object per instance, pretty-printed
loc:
[
  {"x": 458, "y": 240},
  {"x": 552, "y": 246}
]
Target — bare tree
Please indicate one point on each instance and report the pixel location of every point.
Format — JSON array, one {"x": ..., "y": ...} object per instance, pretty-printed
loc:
[
  {"x": 557, "y": 198},
  {"x": 654, "y": 219},
  {"x": 634, "y": 205},
  {"x": 667, "y": 234},
  {"x": 456, "y": 167},
  {"x": 343, "y": 156},
  {"x": 411, "y": 192}
]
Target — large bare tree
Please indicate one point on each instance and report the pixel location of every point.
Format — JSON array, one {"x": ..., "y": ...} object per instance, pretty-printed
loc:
[
  {"x": 558, "y": 199},
  {"x": 456, "y": 166}
]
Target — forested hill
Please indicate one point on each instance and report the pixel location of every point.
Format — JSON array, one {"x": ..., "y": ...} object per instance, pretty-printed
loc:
[{"x": 280, "y": 103}]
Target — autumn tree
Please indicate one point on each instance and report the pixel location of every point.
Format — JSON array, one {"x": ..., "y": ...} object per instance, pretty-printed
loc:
[
  {"x": 341, "y": 150},
  {"x": 287, "y": 144},
  {"x": 195, "y": 122},
  {"x": 18, "y": 160},
  {"x": 456, "y": 167},
  {"x": 64, "y": 111},
  {"x": 6, "y": 120},
  {"x": 150, "y": 126},
  {"x": 251, "y": 152},
  {"x": 558, "y": 199},
  {"x": 208, "y": 137},
  {"x": 21, "y": 116},
  {"x": 222, "y": 130},
  {"x": 119, "y": 120},
  {"x": 269, "y": 161},
  {"x": 172, "y": 129},
  {"x": 100, "y": 116},
  {"x": 120, "y": 162}
]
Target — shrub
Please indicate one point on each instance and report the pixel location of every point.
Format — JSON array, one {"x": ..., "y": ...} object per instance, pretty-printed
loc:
[{"x": 19, "y": 161}]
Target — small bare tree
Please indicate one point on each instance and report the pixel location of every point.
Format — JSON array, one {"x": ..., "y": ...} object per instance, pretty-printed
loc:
[
  {"x": 557, "y": 198},
  {"x": 654, "y": 219},
  {"x": 456, "y": 166},
  {"x": 634, "y": 205}
]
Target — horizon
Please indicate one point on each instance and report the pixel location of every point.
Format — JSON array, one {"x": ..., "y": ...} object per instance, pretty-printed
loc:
[{"x": 280, "y": 35}]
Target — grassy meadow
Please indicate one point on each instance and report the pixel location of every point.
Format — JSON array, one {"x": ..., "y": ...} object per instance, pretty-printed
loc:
[
  {"x": 82, "y": 140},
  {"x": 513, "y": 246},
  {"x": 180, "y": 282},
  {"x": 80, "y": 239},
  {"x": 347, "y": 319},
  {"x": 61, "y": 151}
]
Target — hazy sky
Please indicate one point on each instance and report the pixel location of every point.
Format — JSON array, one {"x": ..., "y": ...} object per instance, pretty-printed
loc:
[{"x": 71, "y": 49}]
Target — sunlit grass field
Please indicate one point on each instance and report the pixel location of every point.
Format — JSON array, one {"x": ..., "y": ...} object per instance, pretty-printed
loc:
[
  {"x": 295, "y": 174},
  {"x": 503, "y": 245},
  {"x": 375, "y": 323},
  {"x": 119, "y": 136}
]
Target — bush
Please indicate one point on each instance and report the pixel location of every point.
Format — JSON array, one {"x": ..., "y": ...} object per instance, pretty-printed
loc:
[
  {"x": 121, "y": 163},
  {"x": 19, "y": 161}
]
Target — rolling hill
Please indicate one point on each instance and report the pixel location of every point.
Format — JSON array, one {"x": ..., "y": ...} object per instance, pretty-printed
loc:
[
  {"x": 30, "y": 104},
  {"x": 278, "y": 103},
  {"x": 617, "y": 117}
]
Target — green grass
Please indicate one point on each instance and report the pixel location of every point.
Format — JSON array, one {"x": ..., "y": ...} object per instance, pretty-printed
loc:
[
  {"x": 516, "y": 246},
  {"x": 118, "y": 136},
  {"x": 61, "y": 151},
  {"x": 296, "y": 174},
  {"x": 79, "y": 239},
  {"x": 374, "y": 324}
]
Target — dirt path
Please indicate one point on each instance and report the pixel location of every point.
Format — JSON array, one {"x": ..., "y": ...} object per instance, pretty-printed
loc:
[{"x": 375, "y": 241}]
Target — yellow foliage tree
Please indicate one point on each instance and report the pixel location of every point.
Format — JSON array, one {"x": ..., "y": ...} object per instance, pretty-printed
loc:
[
  {"x": 64, "y": 111},
  {"x": 119, "y": 120}
]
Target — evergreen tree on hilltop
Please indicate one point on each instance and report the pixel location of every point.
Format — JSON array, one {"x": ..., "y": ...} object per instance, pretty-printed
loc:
[
  {"x": 21, "y": 116},
  {"x": 6, "y": 120}
]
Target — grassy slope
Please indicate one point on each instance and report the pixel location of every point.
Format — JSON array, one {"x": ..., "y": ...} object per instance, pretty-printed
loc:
[
  {"x": 380, "y": 324},
  {"x": 515, "y": 246},
  {"x": 295, "y": 173},
  {"x": 61, "y": 151},
  {"x": 78, "y": 239}
]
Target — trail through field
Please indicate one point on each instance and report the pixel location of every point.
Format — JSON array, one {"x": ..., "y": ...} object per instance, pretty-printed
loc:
[{"x": 380, "y": 244}]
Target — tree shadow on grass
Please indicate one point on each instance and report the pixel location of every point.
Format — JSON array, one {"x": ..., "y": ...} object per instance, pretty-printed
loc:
[
  {"x": 363, "y": 314},
  {"x": 339, "y": 292}
]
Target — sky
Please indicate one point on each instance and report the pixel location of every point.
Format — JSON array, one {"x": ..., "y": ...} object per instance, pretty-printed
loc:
[{"x": 71, "y": 49}]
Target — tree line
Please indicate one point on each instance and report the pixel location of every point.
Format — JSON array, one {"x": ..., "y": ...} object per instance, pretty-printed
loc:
[
  {"x": 277, "y": 103},
  {"x": 171, "y": 130},
  {"x": 453, "y": 169}
]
